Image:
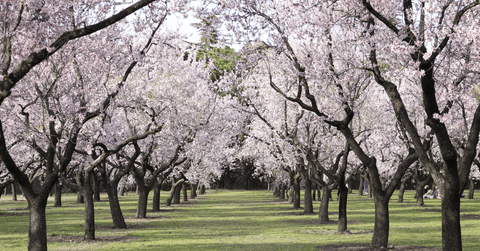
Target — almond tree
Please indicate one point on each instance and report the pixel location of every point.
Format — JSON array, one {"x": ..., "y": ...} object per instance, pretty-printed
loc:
[{"x": 35, "y": 31}]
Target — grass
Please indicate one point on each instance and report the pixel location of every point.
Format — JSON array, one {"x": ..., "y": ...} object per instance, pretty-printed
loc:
[{"x": 232, "y": 220}]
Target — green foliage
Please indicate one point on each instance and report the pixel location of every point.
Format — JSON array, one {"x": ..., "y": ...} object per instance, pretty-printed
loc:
[{"x": 233, "y": 220}]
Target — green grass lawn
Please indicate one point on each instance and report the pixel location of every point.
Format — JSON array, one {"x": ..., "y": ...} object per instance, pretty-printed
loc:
[{"x": 232, "y": 220}]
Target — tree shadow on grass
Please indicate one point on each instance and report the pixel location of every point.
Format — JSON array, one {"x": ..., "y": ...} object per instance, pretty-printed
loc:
[
  {"x": 367, "y": 247},
  {"x": 80, "y": 239}
]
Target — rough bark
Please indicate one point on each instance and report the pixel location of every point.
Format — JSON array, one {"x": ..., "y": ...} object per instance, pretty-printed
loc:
[
  {"x": 323, "y": 211},
  {"x": 382, "y": 223},
  {"x": 37, "y": 233}
]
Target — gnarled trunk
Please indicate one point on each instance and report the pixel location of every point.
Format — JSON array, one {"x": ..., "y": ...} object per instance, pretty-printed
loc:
[{"x": 115, "y": 210}]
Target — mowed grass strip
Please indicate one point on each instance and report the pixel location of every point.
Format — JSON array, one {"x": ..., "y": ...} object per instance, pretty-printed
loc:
[{"x": 233, "y": 220}]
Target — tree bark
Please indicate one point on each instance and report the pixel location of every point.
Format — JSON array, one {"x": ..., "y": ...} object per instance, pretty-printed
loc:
[
  {"x": 296, "y": 187},
  {"x": 89, "y": 208},
  {"x": 360, "y": 187},
  {"x": 115, "y": 210},
  {"x": 401, "y": 191},
  {"x": 419, "y": 192},
  {"x": 451, "y": 230},
  {"x": 37, "y": 233},
  {"x": 142, "y": 201},
  {"x": 282, "y": 191},
  {"x": 58, "y": 194},
  {"x": 14, "y": 191},
  {"x": 96, "y": 191},
  {"x": 193, "y": 190},
  {"x": 382, "y": 223},
  {"x": 323, "y": 211},
  {"x": 156, "y": 197},
  {"x": 80, "y": 199},
  {"x": 184, "y": 188},
  {"x": 176, "y": 195},
  {"x": 471, "y": 188},
  {"x": 308, "y": 204},
  {"x": 173, "y": 190}
]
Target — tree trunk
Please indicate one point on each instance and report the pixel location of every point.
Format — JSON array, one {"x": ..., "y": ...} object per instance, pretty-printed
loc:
[
  {"x": 37, "y": 233},
  {"x": 471, "y": 189},
  {"x": 382, "y": 223},
  {"x": 173, "y": 191},
  {"x": 451, "y": 231},
  {"x": 121, "y": 191},
  {"x": 296, "y": 201},
  {"x": 291, "y": 194},
  {"x": 360, "y": 187},
  {"x": 142, "y": 201},
  {"x": 193, "y": 190},
  {"x": 401, "y": 191},
  {"x": 157, "y": 187},
  {"x": 14, "y": 191},
  {"x": 80, "y": 199},
  {"x": 308, "y": 204},
  {"x": 96, "y": 193},
  {"x": 201, "y": 191},
  {"x": 323, "y": 212},
  {"x": 176, "y": 195},
  {"x": 58, "y": 194},
  {"x": 282, "y": 191},
  {"x": 89, "y": 208},
  {"x": 184, "y": 188},
  {"x": 276, "y": 191},
  {"x": 342, "y": 208},
  {"x": 419, "y": 191},
  {"x": 115, "y": 210},
  {"x": 314, "y": 191}
]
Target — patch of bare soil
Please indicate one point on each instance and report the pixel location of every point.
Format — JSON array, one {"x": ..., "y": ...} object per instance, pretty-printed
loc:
[
  {"x": 80, "y": 239},
  {"x": 332, "y": 222},
  {"x": 470, "y": 216},
  {"x": 332, "y": 232},
  {"x": 367, "y": 247},
  {"x": 12, "y": 214}
]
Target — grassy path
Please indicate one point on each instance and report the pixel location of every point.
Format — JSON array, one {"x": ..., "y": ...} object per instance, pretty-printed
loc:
[{"x": 232, "y": 220}]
